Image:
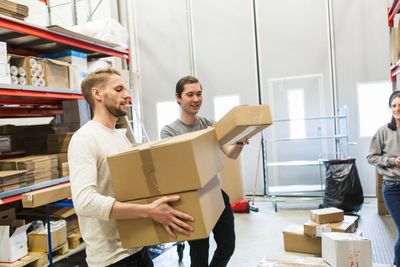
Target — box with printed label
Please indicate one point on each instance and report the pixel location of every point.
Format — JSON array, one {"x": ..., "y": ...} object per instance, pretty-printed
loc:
[
  {"x": 327, "y": 215},
  {"x": 348, "y": 225},
  {"x": 295, "y": 240},
  {"x": 205, "y": 205},
  {"x": 181, "y": 163},
  {"x": 345, "y": 249},
  {"x": 15, "y": 246},
  {"x": 45, "y": 196},
  {"x": 241, "y": 123},
  {"x": 39, "y": 242}
]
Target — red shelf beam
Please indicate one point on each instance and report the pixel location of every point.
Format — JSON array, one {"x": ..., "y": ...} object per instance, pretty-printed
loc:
[
  {"x": 28, "y": 29},
  {"x": 29, "y": 112},
  {"x": 393, "y": 11},
  {"x": 39, "y": 94}
]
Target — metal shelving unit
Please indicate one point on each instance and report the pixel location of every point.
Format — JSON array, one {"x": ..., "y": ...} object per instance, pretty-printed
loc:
[{"x": 340, "y": 138}]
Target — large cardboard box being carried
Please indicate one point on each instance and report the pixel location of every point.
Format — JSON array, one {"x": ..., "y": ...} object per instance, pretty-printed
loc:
[
  {"x": 15, "y": 246},
  {"x": 344, "y": 249},
  {"x": 45, "y": 196},
  {"x": 205, "y": 205},
  {"x": 295, "y": 240},
  {"x": 327, "y": 215},
  {"x": 39, "y": 242},
  {"x": 241, "y": 123},
  {"x": 181, "y": 163},
  {"x": 348, "y": 225}
]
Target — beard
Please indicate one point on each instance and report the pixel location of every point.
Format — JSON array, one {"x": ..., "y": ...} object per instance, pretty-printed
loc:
[{"x": 111, "y": 107}]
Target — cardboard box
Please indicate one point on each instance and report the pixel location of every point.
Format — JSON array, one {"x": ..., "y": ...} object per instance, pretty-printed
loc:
[
  {"x": 45, "y": 196},
  {"x": 344, "y": 249},
  {"x": 205, "y": 205},
  {"x": 348, "y": 225},
  {"x": 5, "y": 76},
  {"x": 15, "y": 246},
  {"x": 382, "y": 210},
  {"x": 181, "y": 163},
  {"x": 231, "y": 179},
  {"x": 3, "y": 53},
  {"x": 7, "y": 215},
  {"x": 327, "y": 215},
  {"x": 57, "y": 73},
  {"x": 285, "y": 260},
  {"x": 39, "y": 242},
  {"x": 241, "y": 123},
  {"x": 295, "y": 240}
]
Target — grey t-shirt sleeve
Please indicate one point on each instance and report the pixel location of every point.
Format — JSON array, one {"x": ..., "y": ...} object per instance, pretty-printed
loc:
[{"x": 166, "y": 132}]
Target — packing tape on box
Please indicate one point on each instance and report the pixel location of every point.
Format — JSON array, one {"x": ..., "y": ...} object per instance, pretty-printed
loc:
[
  {"x": 37, "y": 246},
  {"x": 162, "y": 234},
  {"x": 22, "y": 71},
  {"x": 58, "y": 238},
  {"x": 149, "y": 172},
  {"x": 14, "y": 70},
  {"x": 22, "y": 80}
]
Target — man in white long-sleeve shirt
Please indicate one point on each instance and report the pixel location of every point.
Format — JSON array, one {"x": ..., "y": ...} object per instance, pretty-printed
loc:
[{"x": 92, "y": 192}]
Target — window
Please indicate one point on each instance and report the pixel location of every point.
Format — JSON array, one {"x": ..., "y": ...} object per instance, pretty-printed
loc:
[
  {"x": 296, "y": 111},
  {"x": 167, "y": 112},
  {"x": 373, "y": 109},
  {"x": 222, "y": 104}
]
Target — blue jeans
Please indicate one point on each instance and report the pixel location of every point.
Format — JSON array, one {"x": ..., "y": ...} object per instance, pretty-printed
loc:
[
  {"x": 224, "y": 235},
  {"x": 391, "y": 195}
]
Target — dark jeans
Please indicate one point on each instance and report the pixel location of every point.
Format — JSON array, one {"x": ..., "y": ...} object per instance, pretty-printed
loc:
[
  {"x": 224, "y": 235},
  {"x": 139, "y": 259},
  {"x": 391, "y": 195}
]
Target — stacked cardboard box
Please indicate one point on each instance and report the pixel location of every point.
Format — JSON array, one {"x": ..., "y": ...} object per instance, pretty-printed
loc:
[
  {"x": 10, "y": 180},
  {"x": 14, "y": 10},
  {"x": 58, "y": 143},
  {"x": 38, "y": 168},
  {"x": 45, "y": 196},
  {"x": 382, "y": 210},
  {"x": 63, "y": 167},
  {"x": 307, "y": 238},
  {"x": 4, "y": 66},
  {"x": 149, "y": 171}
]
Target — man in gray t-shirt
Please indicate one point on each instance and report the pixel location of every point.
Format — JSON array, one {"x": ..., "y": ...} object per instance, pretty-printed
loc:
[{"x": 189, "y": 97}]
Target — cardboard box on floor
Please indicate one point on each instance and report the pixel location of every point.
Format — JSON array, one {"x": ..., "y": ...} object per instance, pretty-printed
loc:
[
  {"x": 241, "y": 123},
  {"x": 181, "y": 163},
  {"x": 39, "y": 242},
  {"x": 15, "y": 246},
  {"x": 348, "y": 225},
  {"x": 382, "y": 210},
  {"x": 205, "y": 205},
  {"x": 344, "y": 249},
  {"x": 45, "y": 196},
  {"x": 327, "y": 215},
  {"x": 295, "y": 240}
]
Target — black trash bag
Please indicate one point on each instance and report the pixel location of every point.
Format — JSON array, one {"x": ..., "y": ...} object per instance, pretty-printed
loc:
[{"x": 342, "y": 185}]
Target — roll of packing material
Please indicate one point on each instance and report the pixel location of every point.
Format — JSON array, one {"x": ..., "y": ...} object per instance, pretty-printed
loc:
[
  {"x": 40, "y": 73},
  {"x": 14, "y": 79},
  {"x": 14, "y": 70},
  {"x": 21, "y": 71},
  {"x": 34, "y": 72},
  {"x": 42, "y": 82},
  {"x": 32, "y": 62},
  {"x": 22, "y": 80},
  {"x": 35, "y": 81}
]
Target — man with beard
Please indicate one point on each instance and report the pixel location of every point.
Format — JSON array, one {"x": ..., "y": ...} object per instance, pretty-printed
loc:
[
  {"x": 189, "y": 96},
  {"x": 91, "y": 187}
]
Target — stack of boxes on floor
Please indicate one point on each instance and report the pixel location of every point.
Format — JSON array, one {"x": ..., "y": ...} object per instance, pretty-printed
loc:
[
  {"x": 382, "y": 210},
  {"x": 329, "y": 233},
  {"x": 185, "y": 165}
]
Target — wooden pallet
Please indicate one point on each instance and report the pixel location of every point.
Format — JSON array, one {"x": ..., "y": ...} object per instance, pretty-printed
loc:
[
  {"x": 74, "y": 240},
  {"x": 61, "y": 250},
  {"x": 35, "y": 259}
]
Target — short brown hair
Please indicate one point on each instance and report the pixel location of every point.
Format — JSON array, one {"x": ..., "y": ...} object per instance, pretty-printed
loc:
[
  {"x": 97, "y": 78},
  {"x": 183, "y": 81}
]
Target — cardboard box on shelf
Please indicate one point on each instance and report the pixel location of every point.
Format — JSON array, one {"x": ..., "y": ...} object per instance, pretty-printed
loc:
[
  {"x": 241, "y": 123},
  {"x": 295, "y": 240},
  {"x": 76, "y": 112},
  {"x": 3, "y": 53},
  {"x": 345, "y": 249},
  {"x": 327, "y": 215},
  {"x": 348, "y": 225},
  {"x": 15, "y": 246},
  {"x": 57, "y": 73},
  {"x": 47, "y": 195},
  {"x": 58, "y": 143},
  {"x": 39, "y": 242},
  {"x": 205, "y": 205},
  {"x": 181, "y": 163},
  {"x": 5, "y": 76}
]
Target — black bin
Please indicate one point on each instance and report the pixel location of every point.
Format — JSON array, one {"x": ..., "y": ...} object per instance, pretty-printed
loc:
[{"x": 342, "y": 185}]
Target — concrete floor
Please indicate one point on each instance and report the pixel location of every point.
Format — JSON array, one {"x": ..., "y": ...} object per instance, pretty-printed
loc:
[{"x": 260, "y": 233}]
